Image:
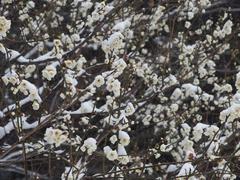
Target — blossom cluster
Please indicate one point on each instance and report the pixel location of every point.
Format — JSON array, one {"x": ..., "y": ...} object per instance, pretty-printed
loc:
[{"x": 120, "y": 89}]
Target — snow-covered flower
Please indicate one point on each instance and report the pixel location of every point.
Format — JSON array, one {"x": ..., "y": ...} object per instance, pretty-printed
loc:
[
  {"x": 89, "y": 145},
  {"x": 119, "y": 65},
  {"x": 124, "y": 138},
  {"x": 23, "y": 87},
  {"x": 211, "y": 131},
  {"x": 198, "y": 131},
  {"x": 186, "y": 144},
  {"x": 12, "y": 78},
  {"x": 113, "y": 43},
  {"x": 30, "y": 89},
  {"x": 129, "y": 110},
  {"x": 110, "y": 154},
  {"x": 177, "y": 93}
]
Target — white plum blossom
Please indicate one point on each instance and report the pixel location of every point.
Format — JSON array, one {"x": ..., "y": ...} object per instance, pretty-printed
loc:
[
  {"x": 113, "y": 139},
  {"x": 30, "y": 68},
  {"x": 157, "y": 85},
  {"x": 191, "y": 90},
  {"x": 55, "y": 136},
  {"x": 35, "y": 105},
  {"x": 122, "y": 154},
  {"x": 70, "y": 64},
  {"x": 49, "y": 72},
  {"x": 99, "y": 81},
  {"x": 119, "y": 65},
  {"x": 4, "y": 26},
  {"x": 113, "y": 44},
  {"x": 185, "y": 130},
  {"x": 227, "y": 28}
]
